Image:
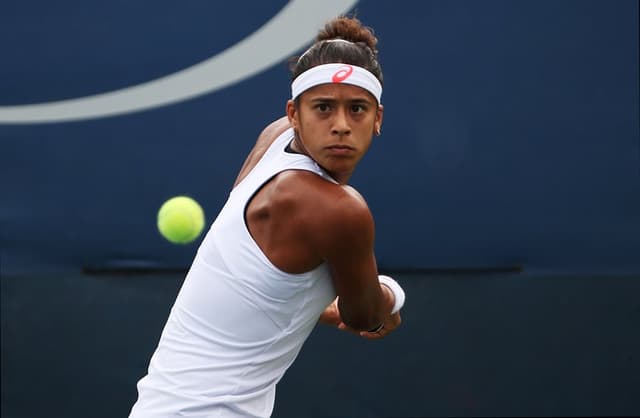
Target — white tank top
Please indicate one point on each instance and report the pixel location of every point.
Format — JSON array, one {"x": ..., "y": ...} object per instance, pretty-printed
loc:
[{"x": 238, "y": 321}]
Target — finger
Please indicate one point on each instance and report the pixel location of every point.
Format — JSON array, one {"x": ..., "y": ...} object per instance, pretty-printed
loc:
[
  {"x": 346, "y": 328},
  {"x": 372, "y": 335}
]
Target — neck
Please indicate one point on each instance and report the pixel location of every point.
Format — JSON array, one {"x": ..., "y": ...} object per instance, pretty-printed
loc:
[{"x": 297, "y": 146}]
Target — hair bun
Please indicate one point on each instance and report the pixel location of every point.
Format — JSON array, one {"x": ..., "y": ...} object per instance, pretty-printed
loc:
[{"x": 349, "y": 29}]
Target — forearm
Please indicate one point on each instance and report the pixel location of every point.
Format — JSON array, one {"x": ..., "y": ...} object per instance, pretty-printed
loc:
[{"x": 388, "y": 300}]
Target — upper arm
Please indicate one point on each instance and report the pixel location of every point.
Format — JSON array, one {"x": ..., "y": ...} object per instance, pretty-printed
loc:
[{"x": 346, "y": 243}]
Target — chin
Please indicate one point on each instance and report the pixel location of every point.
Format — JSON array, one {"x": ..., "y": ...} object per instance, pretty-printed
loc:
[{"x": 339, "y": 172}]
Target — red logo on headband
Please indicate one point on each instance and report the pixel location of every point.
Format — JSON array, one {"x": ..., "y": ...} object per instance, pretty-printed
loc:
[{"x": 342, "y": 74}]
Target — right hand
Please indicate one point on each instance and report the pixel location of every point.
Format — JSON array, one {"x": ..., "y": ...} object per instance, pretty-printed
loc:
[{"x": 331, "y": 316}]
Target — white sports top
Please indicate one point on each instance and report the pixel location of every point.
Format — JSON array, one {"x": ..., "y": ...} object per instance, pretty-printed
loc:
[{"x": 238, "y": 322}]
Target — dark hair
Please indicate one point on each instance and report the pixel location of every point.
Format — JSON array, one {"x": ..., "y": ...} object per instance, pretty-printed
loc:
[{"x": 360, "y": 50}]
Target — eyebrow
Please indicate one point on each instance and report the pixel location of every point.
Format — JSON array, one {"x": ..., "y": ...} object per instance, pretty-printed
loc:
[{"x": 358, "y": 100}]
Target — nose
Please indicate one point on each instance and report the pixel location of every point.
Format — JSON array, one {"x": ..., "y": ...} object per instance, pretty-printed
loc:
[{"x": 341, "y": 124}]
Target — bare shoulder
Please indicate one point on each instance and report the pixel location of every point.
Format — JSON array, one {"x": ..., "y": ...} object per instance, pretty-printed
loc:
[
  {"x": 273, "y": 130},
  {"x": 265, "y": 139},
  {"x": 330, "y": 213},
  {"x": 310, "y": 190}
]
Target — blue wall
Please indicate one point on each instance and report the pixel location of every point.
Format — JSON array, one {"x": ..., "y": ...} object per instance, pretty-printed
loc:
[{"x": 510, "y": 135}]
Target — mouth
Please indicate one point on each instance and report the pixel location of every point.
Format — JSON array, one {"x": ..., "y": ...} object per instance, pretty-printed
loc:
[{"x": 340, "y": 149}]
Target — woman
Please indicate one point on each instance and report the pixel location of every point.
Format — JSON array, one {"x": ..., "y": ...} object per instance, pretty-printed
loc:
[{"x": 292, "y": 246}]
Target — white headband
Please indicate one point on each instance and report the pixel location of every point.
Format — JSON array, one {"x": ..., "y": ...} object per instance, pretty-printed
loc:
[{"x": 336, "y": 73}]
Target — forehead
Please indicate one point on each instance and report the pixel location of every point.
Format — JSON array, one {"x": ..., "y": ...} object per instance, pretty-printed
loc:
[{"x": 338, "y": 91}]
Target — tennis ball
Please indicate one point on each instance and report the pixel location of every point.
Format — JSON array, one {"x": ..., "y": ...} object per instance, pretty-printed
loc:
[{"x": 180, "y": 220}]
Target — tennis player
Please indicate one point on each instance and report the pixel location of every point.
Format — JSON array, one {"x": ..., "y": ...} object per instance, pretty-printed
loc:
[{"x": 293, "y": 245}]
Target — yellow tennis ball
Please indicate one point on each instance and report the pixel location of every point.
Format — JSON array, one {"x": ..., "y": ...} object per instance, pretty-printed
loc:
[{"x": 180, "y": 220}]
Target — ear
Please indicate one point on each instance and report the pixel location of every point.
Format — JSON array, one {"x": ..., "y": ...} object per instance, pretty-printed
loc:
[
  {"x": 377, "y": 124},
  {"x": 292, "y": 114}
]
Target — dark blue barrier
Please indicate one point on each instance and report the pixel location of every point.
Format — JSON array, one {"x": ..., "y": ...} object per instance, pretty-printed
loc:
[{"x": 481, "y": 345}]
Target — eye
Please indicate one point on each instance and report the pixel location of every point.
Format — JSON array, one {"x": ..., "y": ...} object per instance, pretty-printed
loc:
[
  {"x": 358, "y": 108},
  {"x": 323, "y": 107}
]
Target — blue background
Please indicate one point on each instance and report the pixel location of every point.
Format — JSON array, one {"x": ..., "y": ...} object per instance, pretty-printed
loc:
[{"x": 505, "y": 188}]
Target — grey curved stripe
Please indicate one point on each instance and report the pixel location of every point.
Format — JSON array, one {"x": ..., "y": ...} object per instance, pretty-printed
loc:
[{"x": 287, "y": 32}]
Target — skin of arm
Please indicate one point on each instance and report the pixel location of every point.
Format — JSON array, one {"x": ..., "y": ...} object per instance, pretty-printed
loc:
[
  {"x": 362, "y": 303},
  {"x": 300, "y": 220},
  {"x": 345, "y": 241}
]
